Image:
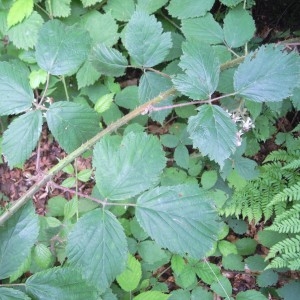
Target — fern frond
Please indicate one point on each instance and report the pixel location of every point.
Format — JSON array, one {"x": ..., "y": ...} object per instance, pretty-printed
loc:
[
  {"x": 288, "y": 194},
  {"x": 278, "y": 155},
  {"x": 294, "y": 165},
  {"x": 285, "y": 226}
]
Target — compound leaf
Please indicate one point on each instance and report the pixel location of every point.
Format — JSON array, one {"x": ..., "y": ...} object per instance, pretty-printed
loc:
[
  {"x": 204, "y": 29},
  {"x": 184, "y": 9},
  {"x": 128, "y": 167},
  {"x": 120, "y": 9},
  {"x": 270, "y": 74},
  {"x": 239, "y": 27},
  {"x": 202, "y": 70},
  {"x": 213, "y": 133},
  {"x": 12, "y": 294},
  {"x": 24, "y": 35},
  {"x": 151, "y": 85},
  {"x": 17, "y": 236},
  {"x": 21, "y": 137},
  {"x": 60, "y": 283},
  {"x": 15, "y": 92},
  {"x": 97, "y": 246},
  {"x": 72, "y": 124},
  {"x": 179, "y": 218},
  {"x": 145, "y": 40},
  {"x": 59, "y": 8},
  {"x": 20, "y": 10},
  {"x": 61, "y": 49}
]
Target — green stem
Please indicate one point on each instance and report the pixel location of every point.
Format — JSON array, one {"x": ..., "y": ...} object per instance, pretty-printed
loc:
[
  {"x": 87, "y": 145},
  {"x": 65, "y": 88}
]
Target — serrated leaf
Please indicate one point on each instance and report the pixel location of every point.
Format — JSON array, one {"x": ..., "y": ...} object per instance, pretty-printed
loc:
[
  {"x": 128, "y": 167},
  {"x": 61, "y": 49},
  {"x": 72, "y": 124},
  {"x": 150, "y": 6},
  {"x": 87, "y": 75},
  {"x": 184, "y": 9},
  {"x": 233, "y": 262},
  {"x": 97, "y": 245},
  {"x": 94, "y": 20},
  {"x": 15, "y": 92},
  {"x": 84, "y": 175},
  {"x": 204, "y": 29},
  {"x": 59, "y": 8},
  {"x": 104, "y": 102},
  {"x": 37, "y": 77},
  {"x": 131, "y": 276},
  {"x": 231, "y": 3},
  {"x": 267, "y": 278},
  {"x": 42, "y": 256},
  {"x": 181, "y": 156},
  {"x": 17, "y": 236},
  {"x": 120, "y": 9},
  {"x": 108, "y": 61},
  {"x": 179, "y": 218},
  {"x": 222, "y": 287},
  {"x": 250, "y": 295},
  {"x": 60, "y": 283},
  {"x": 25, "y": 34},
  {"x": 20, "y": 9},
  {"x": 12, "y": 294},
  {"x": 150, "y": 295},
  {"x": 21, "y": 137},
  {"x": 213, "y": 133},
  {"x": 239, "y": 27},
  {"x": 202, "y": 69},
  {"x": 151, "y": 85},
  {"x": 270, "y": 74},
  {"x": 71, "y": 208},
  {"x": 87, "y": 3},
  {"x": 145, "y": 41}
]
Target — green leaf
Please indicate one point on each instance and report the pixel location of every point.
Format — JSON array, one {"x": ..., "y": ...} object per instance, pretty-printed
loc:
[
  {"x": 213, "y": 133},
  {"x": 131, "y": 276},
  {"x": 84, "y": 175},
  {"x": 59, "y": 8},
  {"x": 204, "y": 29},
  {"x": 128, "y": 97},
  {"x": 151, "y": 252},
  {"x": 55, "y": 206},
  {"x": 207, "y": 272},
  {"x": 37, "y": 77},
  {"x": 200, "y": 293},
  {"x": 12, "y": 294},
  {"x": 17, "y": 236},
  {"x": 179, "y": 218},
  {"x": 61, "y": 49},
  {"x": 202, "y": 69},
  {"x": 71, "y": 208},
  {"x": 108, "y": 61},
  {"x": 181, "y": 156},
  {"x": 267, "y": 278},
  {"x": 145, "y": 40},
  {"x": 60, "y": 283},
  {"x": 87, "y": 3},
  {"x": 184, "y": 9},
  {"x": 231, "y": 3},
  {"x": 15, "y": 92},
  {"x": 150, "y": 295},
  {"x": 233, "y": 262},
  {"x": 42, "y": 256},
  {"x": 87, "y": 75},
  {"x": 150, "y": 6},
  {"x": 94, "y": 20},
  {"x": 250, "y": 295},
  {"x": 209, "y": 179},
  {"x": 290, "y": 291},
  {"x": 20, "y": 9},
  {"x": 222, "y": 287},
  {"x": 72, "y": 124},
  {"x": 150, "y": 86},
  {"x": 270, "y": 74},
  {"x": 25, "y": 34},
  {"x": 120, "y": 9},
  {"x": 226, "y": 248},
  {"x": 246, "y": 246},
  {"x": 21, "y": 137},
  {"x": 97, "y": 245},
  {"x": 104, "y": 102},
  {"x": 128, "y": 167}
]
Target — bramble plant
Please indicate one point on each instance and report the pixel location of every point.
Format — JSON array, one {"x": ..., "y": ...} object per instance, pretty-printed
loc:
[{"x": 158, "y": 196}]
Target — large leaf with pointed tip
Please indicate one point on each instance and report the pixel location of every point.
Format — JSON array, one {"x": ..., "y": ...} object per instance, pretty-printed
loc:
[
  {"x": 213, "y": 133},
  {"x": 61, "y": 49},
  {"x": 202, "y": 69},
  {"x": 24, "y": 35},
  {"x": 151, "y": 85},
  {"x": 239, "y": 27},
  {"x": 145, "y": 40},
  {"x": 204, "y": 29},
  {"x": 15, "y": 92},
  {"x": 128, "y": 167},
  {"x": 180, "y": 218},
  {"x": 108, "y": 61},
  {"x": 72, "y": 124},
  {"x": 12, "y": 294},
  {"x": 269, "y": 74},
  {"x": 60, "y": 283},
  {"x": 184, "y": 9},
  {"x": 97, "y": 246},
  {"x": 21, "y": 137},
  {"x": 17, "y": 236}
]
